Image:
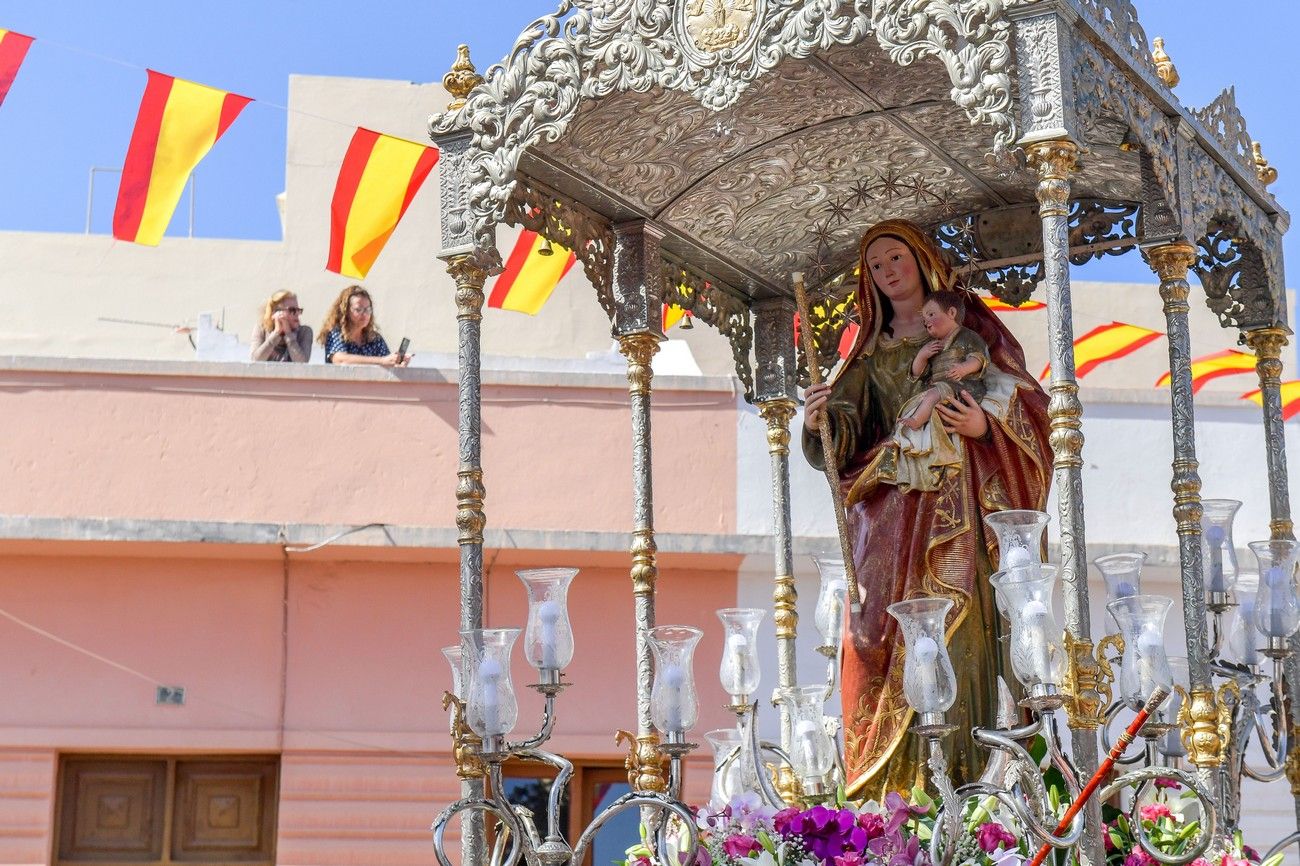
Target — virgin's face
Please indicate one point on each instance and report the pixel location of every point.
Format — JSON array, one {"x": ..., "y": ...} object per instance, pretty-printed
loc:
[{"x": 893, "y": 269}]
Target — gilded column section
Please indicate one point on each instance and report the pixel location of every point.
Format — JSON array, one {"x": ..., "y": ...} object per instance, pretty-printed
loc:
[
  {"x": 1056, "y": 161},
  {"x": 638, "y": 326},
  {"x": 1205, "y": 745}
]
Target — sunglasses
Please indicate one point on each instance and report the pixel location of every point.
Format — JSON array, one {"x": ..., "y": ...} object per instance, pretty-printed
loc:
[{"x": 297, "y": 311}]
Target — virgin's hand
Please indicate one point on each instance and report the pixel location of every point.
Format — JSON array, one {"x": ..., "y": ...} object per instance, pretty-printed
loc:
[
  {"x": 814, "y": 405},
  {"x": 964, "y": 417}
]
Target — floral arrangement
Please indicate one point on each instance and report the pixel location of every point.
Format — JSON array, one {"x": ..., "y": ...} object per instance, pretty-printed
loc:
[{"x": 898, "y": 832}]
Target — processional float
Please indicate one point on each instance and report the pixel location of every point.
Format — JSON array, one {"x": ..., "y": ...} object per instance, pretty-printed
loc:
[{"x": 699, "y": 153}]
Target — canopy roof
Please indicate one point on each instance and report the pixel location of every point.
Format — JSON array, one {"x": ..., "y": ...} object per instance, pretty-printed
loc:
[{"x": 764, "y": 136}]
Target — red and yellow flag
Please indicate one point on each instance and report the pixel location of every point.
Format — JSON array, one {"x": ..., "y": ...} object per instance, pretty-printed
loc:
[
  {"x": 999, "y": 306},
  {"x": 530, "y": 275},
  {"x": 848, "y": 337},
  {"x": 379, "y": 177},
  {"x": 13, "y": 48},
  {"x": 1106, "y": 343},
  {"x": 1290, "y": 398},
  {"x": 1226, "y": 363},
  {"x": 178, "y": 123},
  {"x": 672, "y": 315}
]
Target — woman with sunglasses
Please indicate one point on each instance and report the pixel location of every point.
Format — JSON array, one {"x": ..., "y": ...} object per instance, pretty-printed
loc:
[
  {"x": 350, "y": 335},
  {"x": 280, "y": 336}
]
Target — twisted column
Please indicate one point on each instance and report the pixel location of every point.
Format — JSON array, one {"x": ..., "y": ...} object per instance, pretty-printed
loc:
[
  {"x": 1056, "y": 162},
  {"x": 470, "y": 516}
]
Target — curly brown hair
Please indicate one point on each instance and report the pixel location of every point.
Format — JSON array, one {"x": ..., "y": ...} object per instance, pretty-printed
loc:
[{"x": 337, "y": 317}]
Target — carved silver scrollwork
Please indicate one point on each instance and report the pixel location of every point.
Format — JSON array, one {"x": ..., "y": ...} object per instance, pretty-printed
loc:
[
  {"x": 708, "y": 302},
  {"x": 583, "y": 232},
  {"x": 1231, "y": 268},
  {"x": 1223, "y": 120},
  {"x": 973, "y": 40},
  {"x": 1117, "y": 20}
]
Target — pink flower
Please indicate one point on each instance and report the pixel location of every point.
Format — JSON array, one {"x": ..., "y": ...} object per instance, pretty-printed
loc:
[
  {"x": 741, "y": 846},
  {"x": 1139, "y": 858},
  {"x": 1200, "y": 861},
  {"x": 1155, "y": 811},
  {"x": 850, "y": 858},
  {"x": 991, "y": 836},
  {"x": 1166, "y": 782},
  {"x": 1229, "y": 860}
]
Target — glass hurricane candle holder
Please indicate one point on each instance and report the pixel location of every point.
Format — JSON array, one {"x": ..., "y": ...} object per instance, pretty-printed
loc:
[
  {"x": 1218, "y": 551},
  {"x": 1277, "y": 610},
  {"x": 1037, "y": 654},
  {"x": 1020, "y": 537},
  {"x": 673, "y": 704},
  {"x": 929, "y": 683},
  {"x": 453, "y": 656},
  {"x": 1243, "y": 639},
  {"x": 728, "y": 772},
  {"x": 1144, "y": 665},
  {"x": 739, "y": 671},
  {"x": 492, "y": 709},
  {"x": 1171, "y": 744},
  {"x": 811, "y": 751},
  {"x": 1122, "y": 573},
  {"x": 832, "y": 597},
  {"x": 548, "y": 640}
]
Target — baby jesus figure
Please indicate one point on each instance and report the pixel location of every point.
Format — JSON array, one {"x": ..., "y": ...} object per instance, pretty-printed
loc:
[
  {"x": 955, "y": 360},
  {"x": 952, "y": 362}
]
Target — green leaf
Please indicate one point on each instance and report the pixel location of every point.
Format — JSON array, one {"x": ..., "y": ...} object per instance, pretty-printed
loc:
[
  {"x": 1275, "y": 860},
  {"x": 766, "y": 841},
  {"x": 920, "y": 798}
]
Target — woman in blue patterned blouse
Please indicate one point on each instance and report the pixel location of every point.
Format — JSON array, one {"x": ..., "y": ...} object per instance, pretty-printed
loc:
[{"x": 350, "y": 335}]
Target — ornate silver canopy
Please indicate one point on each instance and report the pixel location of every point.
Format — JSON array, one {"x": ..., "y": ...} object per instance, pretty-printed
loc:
[{"x": 764, "y": 136}]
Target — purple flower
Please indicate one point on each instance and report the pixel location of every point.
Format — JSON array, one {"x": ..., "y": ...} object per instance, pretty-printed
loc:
[
  {"x": 852, "y": 858},
  {"x": 1250, "y": 853},
  {"x": 786, "y": 822},
  {"x": 750, "y": 812},
  {"x": 741, "y": 846},
  {"x": 872, "y": 824},
  {"x": 827, "y": 833},
  {"x": 992, "y": 836}
]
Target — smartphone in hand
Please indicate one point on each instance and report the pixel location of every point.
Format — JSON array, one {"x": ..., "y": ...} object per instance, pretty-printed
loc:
[{"x": 401, "y": 350}]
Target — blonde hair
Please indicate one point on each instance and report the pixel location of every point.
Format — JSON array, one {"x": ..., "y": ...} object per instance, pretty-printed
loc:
[
  {"x": 337, "y": 317},
  {"x": 268, "y": 323}
]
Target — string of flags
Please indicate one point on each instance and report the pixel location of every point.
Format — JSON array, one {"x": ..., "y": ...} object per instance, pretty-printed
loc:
[{"x": 179, "y": 122}]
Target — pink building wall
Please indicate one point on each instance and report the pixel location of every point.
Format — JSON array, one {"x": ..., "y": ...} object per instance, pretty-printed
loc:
[{"x": 329, "y": 658}]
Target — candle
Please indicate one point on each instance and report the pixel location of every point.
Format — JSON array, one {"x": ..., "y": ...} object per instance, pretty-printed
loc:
[
  {"x": 733, "y": 663},
  {"x": 926, "y": 653},
  {"x": 489, "y": 674},
  {"x": 806, "y": 736},
  {"x": 673, "y": 678},
  {"x": 1018, "y": 557},
  {"x": 548, "y": 614},
  {"x": 1214, "y": 536},
  {"x": 1277, "y": 627},
  {"x": 1035, "y": 637},
  {"x": 1152, "y": 671}
]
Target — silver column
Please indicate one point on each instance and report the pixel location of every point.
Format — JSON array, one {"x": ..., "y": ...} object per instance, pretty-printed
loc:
[
  {"x": 1056, "y": 161},
  {"x": 1171, "y": 262},
  {"x": 775, "y": 383},
  {"x": 638, "y": 325},
  {"x": 1267, "y": 344}
]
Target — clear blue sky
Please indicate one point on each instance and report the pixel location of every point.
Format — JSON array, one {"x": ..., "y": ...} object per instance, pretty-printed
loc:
[{"x": 68, "y": 111}]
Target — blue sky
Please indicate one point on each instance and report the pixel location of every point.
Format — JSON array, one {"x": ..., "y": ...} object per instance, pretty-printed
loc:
[{"x": 69, "y": 110}]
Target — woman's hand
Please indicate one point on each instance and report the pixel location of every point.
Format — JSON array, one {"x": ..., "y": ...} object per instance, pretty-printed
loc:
[
  {"x": 814, "y": 404},
  {"x": 964, "y": 417},
  {"x": 280, "y": 319}
]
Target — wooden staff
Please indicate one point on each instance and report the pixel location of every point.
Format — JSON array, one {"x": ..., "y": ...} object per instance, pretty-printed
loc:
[
  {"x": 824, "y": 428},
  {"x": 1153, "y": 703}
]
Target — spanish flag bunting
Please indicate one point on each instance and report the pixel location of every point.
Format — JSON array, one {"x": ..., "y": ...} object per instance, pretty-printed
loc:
[
  {"x": 672, "y": 315},
  {"x": 177, "y": 125},
  {"x": 530, "y": 275},
  {"x": 1000, "y": 306},
  {"x": 1106, "y": 343},
  {"x": 848, "y": 337},
  {"x": 1290, "y": 399},
  {"x": 13, "y": 48},
  {"x": 1229, "y": 362},
  {"x": 379, "y": 177}
]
